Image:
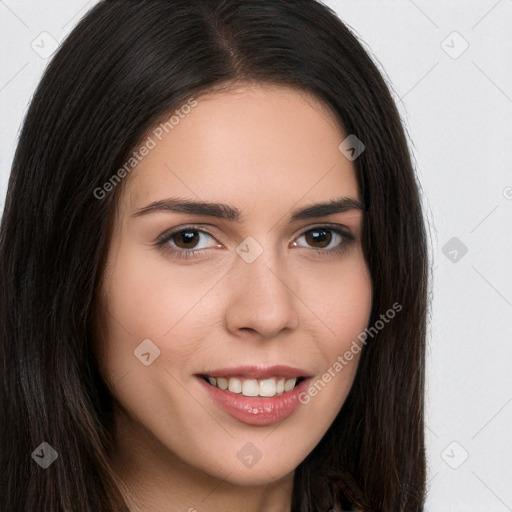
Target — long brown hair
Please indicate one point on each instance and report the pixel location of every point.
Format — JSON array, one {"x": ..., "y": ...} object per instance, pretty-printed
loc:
[{"x": 125, "y": 65}]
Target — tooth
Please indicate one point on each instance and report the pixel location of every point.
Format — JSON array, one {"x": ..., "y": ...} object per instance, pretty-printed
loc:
[
  {"x": 290, "y": 384},
  {"x": 267, "y": 387},
  {"x": 253, "y": 387},
  {"x": 222, "y": 383},
  {"x": 250, "y": 387},
  {"x": 235, "y": 386}
]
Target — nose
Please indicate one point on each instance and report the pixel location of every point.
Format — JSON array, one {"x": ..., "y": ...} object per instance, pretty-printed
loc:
[{"x": 261, "y": 298}]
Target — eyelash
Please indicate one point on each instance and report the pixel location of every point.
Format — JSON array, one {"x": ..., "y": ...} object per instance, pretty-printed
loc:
[{"x": 164, "y": 238}]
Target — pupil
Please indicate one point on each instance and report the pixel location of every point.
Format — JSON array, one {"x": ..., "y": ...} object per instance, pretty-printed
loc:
[{"x": 318, "y": 235}]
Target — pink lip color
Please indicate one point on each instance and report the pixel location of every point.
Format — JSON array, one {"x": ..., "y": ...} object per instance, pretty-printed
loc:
[
  {"x": 257, "y": 411},
  {"x": 260, "y": 372}
]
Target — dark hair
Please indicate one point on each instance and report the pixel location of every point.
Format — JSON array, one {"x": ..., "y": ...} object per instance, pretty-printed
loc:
[{"x": 126, "y": 65}]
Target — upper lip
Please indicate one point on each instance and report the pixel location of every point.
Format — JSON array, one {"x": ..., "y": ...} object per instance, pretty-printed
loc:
[{"x": 259, "y": 372}]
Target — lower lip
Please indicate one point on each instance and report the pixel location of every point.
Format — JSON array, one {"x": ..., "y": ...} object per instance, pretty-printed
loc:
[{"x": 257, "y": 410}]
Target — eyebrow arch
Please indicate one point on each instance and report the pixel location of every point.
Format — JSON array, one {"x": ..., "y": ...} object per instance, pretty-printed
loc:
[
  {"x": 339, "y": 205},
  {"x": 224, "y": 211}
]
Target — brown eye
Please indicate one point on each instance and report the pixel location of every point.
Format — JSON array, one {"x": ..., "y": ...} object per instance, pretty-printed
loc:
[
  {"x": 186, "y": 242},
  {"x": 318, "y": 236},
  {"x": 186, "y": 239},
  {"x": 326, "y": 240}
]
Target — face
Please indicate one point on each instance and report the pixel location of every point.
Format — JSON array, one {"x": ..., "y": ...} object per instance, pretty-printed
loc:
[{"x": 253, "y": 295}]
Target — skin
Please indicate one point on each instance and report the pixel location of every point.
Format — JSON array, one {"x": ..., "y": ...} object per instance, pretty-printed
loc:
[{"x": 266, "y": 150}]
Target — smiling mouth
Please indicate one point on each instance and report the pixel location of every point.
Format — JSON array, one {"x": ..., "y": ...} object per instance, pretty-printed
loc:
[{"x": 265, "y": 388}]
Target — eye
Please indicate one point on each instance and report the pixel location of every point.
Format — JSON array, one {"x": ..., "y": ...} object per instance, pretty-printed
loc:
[
  {"x": 326, "y": 239},
  {"x": 185, "y": 241},
  {"x": 188, "y": 238}
]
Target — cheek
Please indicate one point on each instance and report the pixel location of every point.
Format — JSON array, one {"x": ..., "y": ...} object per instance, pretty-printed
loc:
[
  {"x": 352, "y": 300},
  {"x": 342, "y": 301},
  {"x": 147, "y": 296},
  {"x": 341, "y": 298}
]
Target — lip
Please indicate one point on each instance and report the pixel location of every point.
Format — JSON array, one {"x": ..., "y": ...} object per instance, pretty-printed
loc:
[
  {"x": 257, "y": 411},
  {"x": 260, "y": 372}
]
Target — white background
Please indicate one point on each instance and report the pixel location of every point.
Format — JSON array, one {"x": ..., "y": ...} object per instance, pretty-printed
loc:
[{"x": 457, "y": 107}]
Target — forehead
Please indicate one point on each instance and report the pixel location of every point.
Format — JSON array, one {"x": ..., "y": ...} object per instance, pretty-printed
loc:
[{"x": 272, "y": 143}]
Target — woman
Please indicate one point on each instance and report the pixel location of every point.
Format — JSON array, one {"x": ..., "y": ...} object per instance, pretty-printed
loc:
[{"x": 214, "y": 267}]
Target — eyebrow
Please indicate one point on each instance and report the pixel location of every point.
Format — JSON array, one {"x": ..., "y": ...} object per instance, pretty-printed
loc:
[{"x": 224, "y": 211}]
